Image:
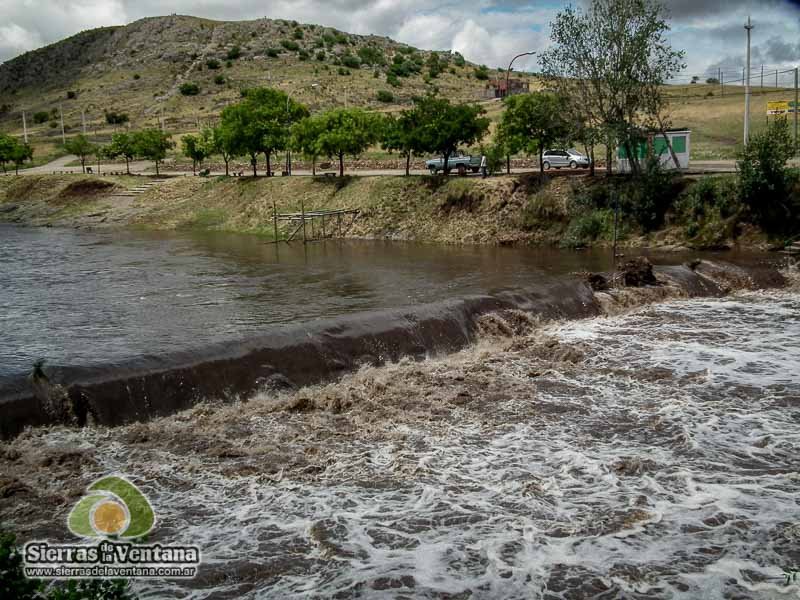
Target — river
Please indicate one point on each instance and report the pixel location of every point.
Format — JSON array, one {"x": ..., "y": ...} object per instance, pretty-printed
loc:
[
  {"x": 647, "y": 455},
  {"x": 80, "y": 298}
]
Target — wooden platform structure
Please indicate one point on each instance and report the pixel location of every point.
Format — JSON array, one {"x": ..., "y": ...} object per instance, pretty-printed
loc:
[{"x": 329, "y": 223}]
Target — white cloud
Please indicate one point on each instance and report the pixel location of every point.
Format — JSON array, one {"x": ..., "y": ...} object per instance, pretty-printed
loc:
[{"x": 485, "y": 31}]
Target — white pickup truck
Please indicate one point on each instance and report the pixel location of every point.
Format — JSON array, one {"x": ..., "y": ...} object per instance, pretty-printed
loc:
[{"x": 459, "y": 163}]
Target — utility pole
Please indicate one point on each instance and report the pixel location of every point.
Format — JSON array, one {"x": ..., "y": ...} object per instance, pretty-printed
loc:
[
  {"x": 796, "y": 108},
  {"x": 748, "y": 28},
  {"x": 63, "y": 137},
  {"x": 83, "y": 120},
  {"x": 721, "y": 83},
  {"x": 776, "y": 78},
  {"x": 24, "y": 128}
]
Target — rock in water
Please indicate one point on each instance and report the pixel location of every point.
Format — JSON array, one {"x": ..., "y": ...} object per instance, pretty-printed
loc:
[{"x": 638, "y": 273}]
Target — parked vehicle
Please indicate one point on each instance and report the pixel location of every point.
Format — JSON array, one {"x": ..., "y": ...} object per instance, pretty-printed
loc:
[
  {"x": 460, "y": 163},
  {"x": 565, "y": 158}
]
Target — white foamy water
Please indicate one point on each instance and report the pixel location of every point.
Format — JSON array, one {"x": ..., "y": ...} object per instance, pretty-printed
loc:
[{"x": 663, "y": 465}]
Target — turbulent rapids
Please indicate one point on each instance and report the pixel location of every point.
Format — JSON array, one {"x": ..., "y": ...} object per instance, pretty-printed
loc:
[{"x": 652, "y": 454}]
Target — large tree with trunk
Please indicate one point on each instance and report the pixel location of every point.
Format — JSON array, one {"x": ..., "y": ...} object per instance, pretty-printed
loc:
[
  {"x": 610, "y": 61},
  {"x": 344, "y": 132}
]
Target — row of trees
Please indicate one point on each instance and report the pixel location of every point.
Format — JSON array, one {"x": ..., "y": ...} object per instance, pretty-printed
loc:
[
  {"x": 268, "y": 122},
  {"x": 14, "y": 151},
  {"x": 150, "y": 144}
]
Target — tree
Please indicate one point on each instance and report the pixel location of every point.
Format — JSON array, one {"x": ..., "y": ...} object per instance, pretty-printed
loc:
[
  {"x": 712, "y": 81},
  {"x": 345, "y": 131},
  {"x": 401, "y": 134},
  {"x": 189, "y": 89},
  {"x": 20, "y": 152},
  {"x": 260, "y": 123},
  {"x": 304, "y": 139},
  {"x": 443, "y": 127},
  {"x": 153, "y": 144},
  {"x": 532, "y": 123},
  {"x": 7, "y": 144},
  {"x": 81, "y": 147},
  {"x": 222, "y": 142},
  {"x": 122, "y": 144},
  {"x": 612, "y": 61},
  {"x": 196, "y": 148},
  {"x": 765, "y": 182}
]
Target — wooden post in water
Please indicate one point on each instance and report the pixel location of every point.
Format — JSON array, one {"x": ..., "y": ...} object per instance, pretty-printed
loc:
[
  {"x": 275, "y": 220},
  {"x": 303, "y": 216},
  {"x": 339, "y": 220},
  {"x": 323, "y": 227}
]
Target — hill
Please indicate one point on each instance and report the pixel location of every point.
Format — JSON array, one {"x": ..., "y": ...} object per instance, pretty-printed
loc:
[{"x": 138, "y": 70}]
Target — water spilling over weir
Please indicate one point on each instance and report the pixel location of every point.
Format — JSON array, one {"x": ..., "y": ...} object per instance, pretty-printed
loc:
[{"x": 651, "y": 454}]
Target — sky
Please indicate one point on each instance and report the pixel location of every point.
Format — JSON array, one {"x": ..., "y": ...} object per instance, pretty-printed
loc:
[{"x": 484, "y": 31}]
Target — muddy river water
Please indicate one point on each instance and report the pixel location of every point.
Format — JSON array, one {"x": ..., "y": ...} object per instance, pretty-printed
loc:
[{"x": 652, "y": 454}]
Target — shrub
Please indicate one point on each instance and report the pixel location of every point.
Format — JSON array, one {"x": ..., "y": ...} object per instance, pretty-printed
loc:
[
  {"x": 588, "y": 227},
  {"x": 385, "y": 96},
  {"x": 116, "y": 118},
  {"x": 458, "y": 60},
  {"x": 648, "y": 197},
  {"x": 212, "y": 63},
  {"x": 219, "y": 79},
  {"x": 41, "y": 117},
  {"x": 234, "y": 53},
  {"x": 350, "y": 61},
  {"x": 137, "y": 76},
  {"x": 371, "y": 55},
  {"x": 392, "y": 80},
  {"x": 290, "y": 45},
  {"x": 273, "y": 52},
  {"x": 71, "y": 95},
  {"x": 766, "y": 183},
  {"x": 343, "y": 71},
  {"x": 297, "y": 34},
  {"x": 320, "y": 55},
  {"x": 189, "y": 89},
  {"x": 482, "y": 73}
]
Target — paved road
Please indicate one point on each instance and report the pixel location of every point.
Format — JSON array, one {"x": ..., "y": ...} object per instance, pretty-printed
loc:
[{"x": 141, "y": 166}]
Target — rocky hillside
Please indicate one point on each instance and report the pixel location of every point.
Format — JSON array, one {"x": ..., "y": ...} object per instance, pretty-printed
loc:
[{"x": 190, "y": 68}]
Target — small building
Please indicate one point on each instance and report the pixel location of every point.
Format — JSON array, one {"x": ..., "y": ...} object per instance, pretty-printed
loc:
[
  {"x": 656, "y": 145},
  {"x": 497, "y": 87}
]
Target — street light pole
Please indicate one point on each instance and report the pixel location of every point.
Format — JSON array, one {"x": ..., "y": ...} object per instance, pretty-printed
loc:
[
  {"x": 508, "y": 80},
  {"x": 748, "y": 28}
]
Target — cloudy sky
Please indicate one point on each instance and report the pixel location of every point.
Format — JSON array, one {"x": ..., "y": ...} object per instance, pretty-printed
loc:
[{"x": 485, "y": 31}]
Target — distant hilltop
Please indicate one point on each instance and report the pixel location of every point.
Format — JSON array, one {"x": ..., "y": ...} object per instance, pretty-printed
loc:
[{"x": 189, "y": 68}]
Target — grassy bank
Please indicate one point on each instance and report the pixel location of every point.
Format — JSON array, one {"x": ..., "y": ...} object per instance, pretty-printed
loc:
[{"x": 565, "y": 211}]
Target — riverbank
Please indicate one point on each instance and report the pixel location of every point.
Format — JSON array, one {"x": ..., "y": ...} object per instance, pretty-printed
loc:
[{"x": 508, "y": 210}]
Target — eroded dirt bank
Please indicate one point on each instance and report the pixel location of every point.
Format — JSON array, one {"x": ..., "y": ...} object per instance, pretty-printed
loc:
[{"x": 511, "y": 210}]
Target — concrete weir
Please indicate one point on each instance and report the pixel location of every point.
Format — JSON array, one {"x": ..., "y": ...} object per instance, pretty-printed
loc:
[{"x": 153, "y": 386}]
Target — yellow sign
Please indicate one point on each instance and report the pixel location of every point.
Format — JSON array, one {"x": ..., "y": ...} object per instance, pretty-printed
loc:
[{"x": 781, "y": 107}]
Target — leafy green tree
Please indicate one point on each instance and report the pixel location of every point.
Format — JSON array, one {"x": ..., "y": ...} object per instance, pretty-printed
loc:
[
  {"x": 222, "y": 142},
  {"x": 7, "y": 144},
  {"x": 124, "y": 145},
  {"x": 612, "y": 61},
  {"x": 13, "y": 583},
  {"x": 443, "y": 127},
  {"x": 260, "y": 123},
  {"x": 197, "y": 148},
  {"x": 304, "y": 139},
  {"x": 765, "y": 182},
  {"x": 81, "y": 147},
  {"x": 153, "y": 144},
  {"x": 20, "y": 153},
  {"x": 345, "y": 131},
  {"x": 531, "y": 123},
  {"x": 401, "y": 134}
]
